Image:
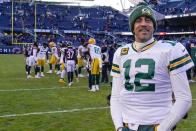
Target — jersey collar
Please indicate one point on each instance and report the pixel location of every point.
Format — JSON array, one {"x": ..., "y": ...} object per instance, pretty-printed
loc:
[{"x": 148, "y": 45}]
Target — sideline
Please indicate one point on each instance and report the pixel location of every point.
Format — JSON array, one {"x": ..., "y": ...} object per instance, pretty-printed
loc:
[
  {"x": 38, "y": 89},
  {"x": 53, "y": 112}
]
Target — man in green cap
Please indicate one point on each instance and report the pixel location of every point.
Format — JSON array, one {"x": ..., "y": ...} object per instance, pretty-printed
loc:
[{"x": 145, "y": 74}]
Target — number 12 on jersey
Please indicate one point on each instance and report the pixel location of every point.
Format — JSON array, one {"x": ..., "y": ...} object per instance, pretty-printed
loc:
[{"x": 137, "y": 86}]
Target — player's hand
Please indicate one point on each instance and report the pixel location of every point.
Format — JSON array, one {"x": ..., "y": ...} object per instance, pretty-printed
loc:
[{"x": 123, "y": 129}]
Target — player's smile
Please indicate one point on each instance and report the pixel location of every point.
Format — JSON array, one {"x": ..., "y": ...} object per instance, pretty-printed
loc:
[{"x": 143, "y": 29}]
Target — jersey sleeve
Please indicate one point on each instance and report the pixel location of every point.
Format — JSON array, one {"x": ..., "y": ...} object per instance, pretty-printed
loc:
[
  {"x": 115, "y": 71},
  {"x": 179, "y": 59}
]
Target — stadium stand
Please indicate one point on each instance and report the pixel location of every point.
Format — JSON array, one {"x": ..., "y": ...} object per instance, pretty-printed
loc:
[
  {"x": 41, "y": 21},
  {"x": 176, "y": 7}
]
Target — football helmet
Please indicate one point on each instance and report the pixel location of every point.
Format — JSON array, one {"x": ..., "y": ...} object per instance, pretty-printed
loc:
[
  {"x": 91, "y": 41},
  {"x": 52, "y": 44},
  {"x": 69, "y": 44}
]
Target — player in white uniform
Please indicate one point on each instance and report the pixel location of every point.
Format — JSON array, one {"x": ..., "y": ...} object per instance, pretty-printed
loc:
[
  {"x": 63, "y": 62},
  {"x": 145, "y": 73},
  {"x": 96, "y": 64},
  {"x": 54, "y": 57},
  {"x": 82, "y": 50},
  {"x": 41, "y": 58},
  {"x": 32, "y": 60}
]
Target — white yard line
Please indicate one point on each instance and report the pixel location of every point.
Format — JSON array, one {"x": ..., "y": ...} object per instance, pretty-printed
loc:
[
  {"x": 38, "y": 89},
  {"x": 24, "y": 78},
  {"x": 54, "y": 112}
]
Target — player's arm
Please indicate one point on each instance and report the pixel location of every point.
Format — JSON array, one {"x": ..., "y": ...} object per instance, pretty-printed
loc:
[
  {"x": 182, "y": 104},
  {"x": 179, "y": 63},
  {"x": 115, "y": 105},
  {"x": 117, "y": 86}
]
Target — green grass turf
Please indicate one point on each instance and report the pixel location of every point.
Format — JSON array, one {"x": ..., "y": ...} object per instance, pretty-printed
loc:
[{"x": 54, "y": 96}]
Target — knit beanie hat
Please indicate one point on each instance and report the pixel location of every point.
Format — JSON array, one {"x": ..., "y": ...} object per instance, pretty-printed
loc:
[{"x": 142, "y": 9}]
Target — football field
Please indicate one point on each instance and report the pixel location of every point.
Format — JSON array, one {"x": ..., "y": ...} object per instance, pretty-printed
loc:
[{"x": 46, "y": 105}]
